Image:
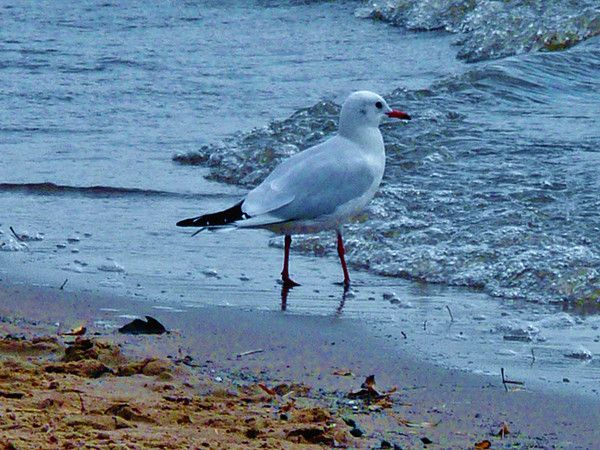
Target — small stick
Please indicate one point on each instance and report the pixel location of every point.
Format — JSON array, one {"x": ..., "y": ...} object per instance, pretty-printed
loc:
[
  {"x": 450, "y": 312},
  {"x": 250, "y": 352},
  {"x": 505, "y": 381},
  {"x": 403, "y": 334},
  {"x": 81, "y": 401},
  {"x": 425, "y": 326},
  {"x": 62, "y": 286},
  {"x": 19, "y": 238}
]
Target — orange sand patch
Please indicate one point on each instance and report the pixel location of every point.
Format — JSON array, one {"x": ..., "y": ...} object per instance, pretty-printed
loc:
[{"x": 88, "y": 395}]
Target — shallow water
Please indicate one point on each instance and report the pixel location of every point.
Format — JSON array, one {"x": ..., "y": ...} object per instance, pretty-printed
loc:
[{"x": 493, "y": 186}]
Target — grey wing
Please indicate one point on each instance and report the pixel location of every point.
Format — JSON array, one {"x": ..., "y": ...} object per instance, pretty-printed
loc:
[{"x": 311, "y": 184}]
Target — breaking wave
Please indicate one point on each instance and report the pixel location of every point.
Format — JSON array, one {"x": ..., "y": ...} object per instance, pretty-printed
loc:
[
  {"x": 48, "y": 188},
  {"x": 495, "y": 29}
]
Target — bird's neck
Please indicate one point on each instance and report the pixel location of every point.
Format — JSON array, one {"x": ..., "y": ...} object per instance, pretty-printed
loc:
[{"x": 365, "y": 136}]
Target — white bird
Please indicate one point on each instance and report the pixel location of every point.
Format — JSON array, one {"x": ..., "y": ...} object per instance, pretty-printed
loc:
[{"x": 320, "y": 188}]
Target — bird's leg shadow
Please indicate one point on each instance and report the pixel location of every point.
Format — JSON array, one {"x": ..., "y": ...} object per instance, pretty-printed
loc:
[
  {"x": 285, "y": 289},
  {"x": 340, "y": 307}
]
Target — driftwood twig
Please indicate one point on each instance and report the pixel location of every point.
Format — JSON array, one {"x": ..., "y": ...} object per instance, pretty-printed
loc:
[
  {"x": 19, "y": 238},
  {"x": 81, "y": 402},
  {"x": 250, "y": 352},
  {"x": 506, "y": 381},
  {"x": 450, "y": 312}
]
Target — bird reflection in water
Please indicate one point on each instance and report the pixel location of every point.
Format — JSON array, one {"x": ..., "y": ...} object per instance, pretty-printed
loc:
[{"x": 285, "y": 290}]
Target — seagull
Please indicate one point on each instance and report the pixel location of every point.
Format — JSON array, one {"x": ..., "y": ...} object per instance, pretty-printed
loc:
[{"x": 320, "y": 188}]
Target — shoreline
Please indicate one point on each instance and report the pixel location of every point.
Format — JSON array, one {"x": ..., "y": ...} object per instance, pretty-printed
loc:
[{"x": 466, "y": 408}]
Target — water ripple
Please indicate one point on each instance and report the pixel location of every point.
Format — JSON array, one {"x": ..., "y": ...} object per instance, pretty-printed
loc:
[{"x": 94, "y": 191}]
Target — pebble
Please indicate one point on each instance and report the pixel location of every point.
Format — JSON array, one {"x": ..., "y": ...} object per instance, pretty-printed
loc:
[
  {"x": 389, "y": 295},
  {"x": 356, "y": 432},
  {"x": 111, "y": 266},
  {"x": 211, "y": 273}
]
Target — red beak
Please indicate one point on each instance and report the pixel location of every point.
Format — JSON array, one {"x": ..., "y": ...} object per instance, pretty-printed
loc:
[{"x": 398, "y": 114}]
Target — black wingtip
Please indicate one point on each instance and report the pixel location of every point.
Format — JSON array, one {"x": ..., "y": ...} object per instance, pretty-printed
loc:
[
  {"x": 186, "y": 223},
  {"x": 224, "y": 217}
]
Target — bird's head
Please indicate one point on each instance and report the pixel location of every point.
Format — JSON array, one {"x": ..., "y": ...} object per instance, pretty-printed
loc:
[{"x": 365, "y": 108}]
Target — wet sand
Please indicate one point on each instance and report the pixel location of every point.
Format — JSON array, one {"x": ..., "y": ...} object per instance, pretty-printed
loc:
[{"x": 331, "y": 357}]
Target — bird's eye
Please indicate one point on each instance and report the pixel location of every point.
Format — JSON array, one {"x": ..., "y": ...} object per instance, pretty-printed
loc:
[{"x": 378, "y": 105}]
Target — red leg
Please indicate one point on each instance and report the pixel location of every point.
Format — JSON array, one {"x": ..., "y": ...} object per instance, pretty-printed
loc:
[
  {"x": 341, "y": 253},
  {"x": 285, "y": 274}
]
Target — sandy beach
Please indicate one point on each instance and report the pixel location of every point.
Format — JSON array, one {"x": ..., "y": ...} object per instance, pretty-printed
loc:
[{"x": 226, "y": 378}]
